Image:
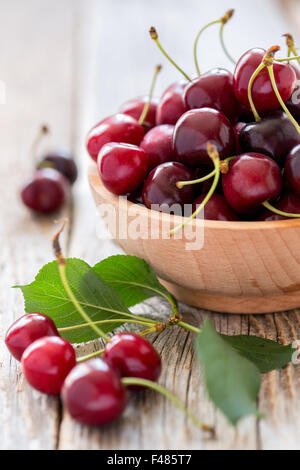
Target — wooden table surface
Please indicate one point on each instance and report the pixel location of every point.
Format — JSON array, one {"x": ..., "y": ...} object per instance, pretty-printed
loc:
[{"x": 69, "y": 63}]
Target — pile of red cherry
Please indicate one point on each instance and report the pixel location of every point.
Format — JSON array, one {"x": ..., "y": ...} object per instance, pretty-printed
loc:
[
  {"x": 92, "y": 391},
  {"x": 146, "y": 159},
  {"x": 50, "y": 185}
]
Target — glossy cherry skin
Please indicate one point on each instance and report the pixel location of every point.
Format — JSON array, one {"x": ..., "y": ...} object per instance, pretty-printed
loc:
[
  {"x": 93, "y": 393},
  {"x": 135, "y": 107},
  {"x": 216, "y": 208},
  {"x": 292, "y": 170},
  {"x": 293, "y": 103},
  {"x": 122, "y": 167},
  {"x": 160, "y": 188},
  {"x": 289, "y": 202},
  {"x": 46, "y": 191},
  {"x": 262, "y": 92},
  {"x": 171, "y": 105},
  {"x": 213, "y": 89},
  {"x": 116, "y": 128},
  {"x": 237, "y": 131},
  {"x": 158, "y": 145},
  {"x": 26, "y": 330},
  {"x": 194, "y": 129},
  {"x": 252, "y": 179},
  {"x": 62, "y": 162},
  {"x": 274, "y": 136},
  {"x": 133, "y": 356},
  {"x": 136, "y": 196},
  {"x": 47, "y": 362}
]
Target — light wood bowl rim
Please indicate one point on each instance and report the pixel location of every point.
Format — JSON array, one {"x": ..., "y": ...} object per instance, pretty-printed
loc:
[{"x": 98, "y": 186}]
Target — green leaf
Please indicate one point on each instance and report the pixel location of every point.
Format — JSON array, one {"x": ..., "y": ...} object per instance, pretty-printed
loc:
[
  {"x": 47, "y": 295},
  {"x": 265, "y": 354},
  {"x": 133, "y": 278},
  {"x": 232, "y": 381}
]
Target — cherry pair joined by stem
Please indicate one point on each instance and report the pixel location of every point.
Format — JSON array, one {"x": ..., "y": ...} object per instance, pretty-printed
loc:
[
  {"x": 27, "y": 329},
  {"x": 263, "y": 93},
  {"x": 122, "y": 167},
  {"x": 194, "y": 129},
  {"x": 47, "y": 362},
  {"x": 46, "y": 191}
]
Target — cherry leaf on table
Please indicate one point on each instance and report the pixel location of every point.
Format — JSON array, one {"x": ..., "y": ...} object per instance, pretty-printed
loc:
[
  {"x": 133, "y": 279},
  {"x": 46, "y": 294},
  {"x": 232, "y": 381},
  {"x": 265, "y": 354}
]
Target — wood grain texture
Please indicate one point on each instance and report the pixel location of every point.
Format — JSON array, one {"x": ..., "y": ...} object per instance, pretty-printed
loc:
[{"x": 70, "y": 63}]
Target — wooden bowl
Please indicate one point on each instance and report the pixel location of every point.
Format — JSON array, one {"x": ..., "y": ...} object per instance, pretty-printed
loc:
[{"x": 243, "y": 267}]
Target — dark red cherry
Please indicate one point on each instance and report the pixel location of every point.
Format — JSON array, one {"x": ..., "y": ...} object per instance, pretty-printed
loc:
[
  {"x": 122, "y": 167},
  {"x": 62, "y": 162},
  {"x": 133, "y": 356},
  {"x": 46, "y": 191},
  {"x": 160, "y": 188},
  {"x": 134, "y": 108},
  {"x": 158, "y": 145},
  {"x": 292, "y": 169},
  {"x": 216, "y": 208},
  {"x": 93, "y": 393},
  {"x": 136, "y": 196},
  {"x": 213, "y": 89},
  {"x": 262, "y": 91},
  {"x": 171, "y": 106},
  {"x": 47, "y": 362},
  {"x": 252, "y": 179},
  {"x": 116, "y": 128},
  {"x": 274, "y": 135},
  {"x": 237, "y": 130},
  {"x": 289, "y": 202},
  {"x": 293, "y": 104},
  {"x": 194, "y": 129},
  {"x": 26, "y": 330}
]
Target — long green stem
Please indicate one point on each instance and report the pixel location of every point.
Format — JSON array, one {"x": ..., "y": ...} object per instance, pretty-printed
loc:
[
  {"x": 154, "y": 36},
  {"x": 271, "y": 208},
  {"x": 288, "y": 59},
  {"x": 216, "y": 160},
  {"x": 250, "y": 85},
  {"x": 181, "y": 184},
  {"x": 102, "y": 322},
  {"x": 274, "y": 84},
  {"x": 170, "y": 396},
  {"x": 188, "y": 327},
  {"x": 197, "y": 40},
  {"x": 147, "y": 105},
  {"x": 224, "y": 45},
  {"x": 90, "y": 356}
]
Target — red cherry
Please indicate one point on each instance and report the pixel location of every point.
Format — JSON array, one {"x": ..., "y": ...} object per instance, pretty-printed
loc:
[
  {"x": 47, "y": 362},
  {"x": 262, "y": 91},
  {"x": 93, "y": 393},
  {"x": 213, "y": 89},
  {"x": 237, "y": 128},
  {"x": 292, "y": 170},
  {"x": 136, "y": 196},
  {"x": 116, "y": 128},
  {"x": 158, "y": 145},
  {"x": 62, "y": 162},
  {"x": 252, "y": 179},
  {"x": 135, "y": 107},
  {"x": 160, "y": 188},
  {"x": 216, "y": 208},
  {"x": 289, "y": 203},
  {"x": 26, "y": 330},
  {"x": 293, "y": 104},
  {"x": 122, "y": 167},
  {"x": 194, "y": 129},
  {"x": 171, "y": 105},
  {"x": 133, "y": 356},
  {"x": 46, "y": 191}
]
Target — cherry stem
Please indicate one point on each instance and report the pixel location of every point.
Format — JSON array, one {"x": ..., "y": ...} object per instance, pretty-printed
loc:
[
  {"x": 214, "y": 155},
  {"x": 291, "y": 46},
  {"x": 188, "y": 327},
  {"x": 62, "y": 264},
  {"x": 90, "y": 356},
  {"x": 154, "y": 36},
  {"x": 271, "y": 208},
  {"x": 147, "y": 105},
  {"x": 163, "y": 391},
  {"x": 275, "y": 88},
  {"x": 181, "y": 184},
  {"x": 288, "y": 59},
  {"x": 223, "y": 21},
  {"x": 35, "y": 145},
  {"x": 103, "y": 322},
  {"x": 250, "y": 85}
]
